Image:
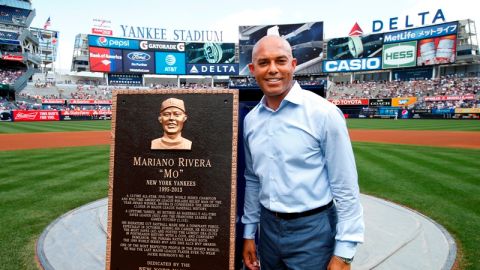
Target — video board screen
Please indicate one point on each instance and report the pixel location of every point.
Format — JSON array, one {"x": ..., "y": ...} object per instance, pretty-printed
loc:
[
  {"x": 105, "y": 60},
  {"x": 439, "y": 50},
  {"x": 399, "y": 55},
  {"x": 210, "y": 53},
  {"x": 306, "y": 40},
  {"x": 355, "y": 47},
  {"x": 138, "y": 62}
]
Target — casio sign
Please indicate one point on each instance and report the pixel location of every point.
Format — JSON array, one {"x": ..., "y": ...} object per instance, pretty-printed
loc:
[
  {"x": 138, "y": 56},
  {"x": 352, "y": 65}
]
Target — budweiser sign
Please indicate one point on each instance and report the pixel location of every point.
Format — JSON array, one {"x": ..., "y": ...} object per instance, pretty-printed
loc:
[
  {"x": 40, "y": 115},
  {"x": 25, "y": 116},
  {"x": 353, "y": 101}
]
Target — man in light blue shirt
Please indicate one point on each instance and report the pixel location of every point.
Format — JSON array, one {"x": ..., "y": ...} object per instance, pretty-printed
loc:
[{"x": 298, "y": 160}]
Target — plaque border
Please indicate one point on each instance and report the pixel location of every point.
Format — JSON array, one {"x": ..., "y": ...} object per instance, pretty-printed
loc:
[{"x": 233, "y": 195}]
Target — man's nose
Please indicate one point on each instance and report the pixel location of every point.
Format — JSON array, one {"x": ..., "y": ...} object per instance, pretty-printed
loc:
[{"x": 272, "y": 68}]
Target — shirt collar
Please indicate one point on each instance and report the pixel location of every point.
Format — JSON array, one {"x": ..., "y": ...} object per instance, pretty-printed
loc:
[{"x": 293, "y": 96}]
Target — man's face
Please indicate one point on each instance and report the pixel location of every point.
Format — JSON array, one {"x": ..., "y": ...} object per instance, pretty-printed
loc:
[
  {"x": 172, "y": 120},
  {"x": 273, "y": 67}
]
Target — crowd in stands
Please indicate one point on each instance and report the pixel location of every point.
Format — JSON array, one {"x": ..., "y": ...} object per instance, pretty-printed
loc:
[
  {"x": 421, "y": 89},
  {"x": 443, "y": 86},
  {"x": 8, "y": 76}
]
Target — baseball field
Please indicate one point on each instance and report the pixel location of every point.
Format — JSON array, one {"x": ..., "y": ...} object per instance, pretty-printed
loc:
[{"x": 432, "y": 166}]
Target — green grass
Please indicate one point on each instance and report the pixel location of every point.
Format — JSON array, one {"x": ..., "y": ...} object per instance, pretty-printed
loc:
[
  {"x": 442, "y": 183},
  {"x": 38, "y": 186},
  {"x": 410, "y": 124},
  {"x": 53, "y": 126},
  {"x": 415, "y": 124}
]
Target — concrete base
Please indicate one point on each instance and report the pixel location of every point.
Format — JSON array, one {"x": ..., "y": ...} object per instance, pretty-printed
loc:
[{"x": 396, "y": 238}]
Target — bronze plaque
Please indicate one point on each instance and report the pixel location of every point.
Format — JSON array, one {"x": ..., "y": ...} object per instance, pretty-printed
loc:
[{"x": 172, "y": 190}]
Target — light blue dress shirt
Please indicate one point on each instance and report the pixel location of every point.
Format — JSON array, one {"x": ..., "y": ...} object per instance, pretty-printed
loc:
[{"x": 298, "y": 158}]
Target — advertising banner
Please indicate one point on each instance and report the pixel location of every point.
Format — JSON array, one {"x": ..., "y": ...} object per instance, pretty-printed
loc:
[
  {"x": 138, "y": 61},
  {"x": 210, "y": 53},
  {"x": 89, "y": 102},
  {"x": 377, "y": 102},
  {"x": 443, "y": 111},
  {"x": 125, "y": 79},
  {"x": 37, "y": 115},
  {"x": 440, "y": 50},
  {"x": 355, "y": 47},
  {"x": 438, "y": 30},
  {"x": 12, "y": 57},
  {"x": 351, "y": 65},
  {"x": 169, "y": 63},
  {"x": 349, "y": 102},
  {"x": 399, "y": 55},
  {"x": 105, "y": 60},
  {"x": 102, "y": 32},
  {"x": 403, "y": 101},
  {"x": 53, "y": 101},
  {"x": 306, "y": 40},
  {"x": 440, "y": 98},
  {"x": 467, "y": 110},
  {"x": 212, "y": 69},
  {"x": 111, "y": 42},
  {"x": 86, "y": 113},
  {"x": 162, "y": 46}
]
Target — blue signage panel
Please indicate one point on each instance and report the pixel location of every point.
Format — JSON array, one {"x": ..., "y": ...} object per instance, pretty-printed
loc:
[
  {"x": 138, "y": 62},
  {"x": 352, "y": 65},
  {"x": 169, "y": 63},
  {"x": 7, "y": 41},
  {"x": 212, "y": 69},
  {"x": 421, "y": 33},
  {"x": 111, "y": 42}
]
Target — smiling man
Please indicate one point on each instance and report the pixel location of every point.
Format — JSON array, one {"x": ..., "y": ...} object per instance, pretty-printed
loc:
[
  {"x": 172, "y": 118},
  {"x": 301, "y": 178}
]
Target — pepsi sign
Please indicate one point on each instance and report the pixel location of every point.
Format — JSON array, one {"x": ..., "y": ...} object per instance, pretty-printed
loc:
[{"x": 111, "y": 42}]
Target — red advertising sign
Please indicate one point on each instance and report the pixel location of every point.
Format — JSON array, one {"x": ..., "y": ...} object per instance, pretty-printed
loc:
[
  {"x": 40, "y": 115},
  {"x": 352, "y": 102},
  {"x": 86, "y": 113},
  {"x": 441, "y": 98},
  {"x": 11, "y": 57},
  {"x": 53, "y": 101},
  {"x": 82, "y": 101},
  {"x": 102, "y": 32}
]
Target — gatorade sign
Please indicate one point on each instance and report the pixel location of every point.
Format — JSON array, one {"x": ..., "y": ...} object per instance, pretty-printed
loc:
[{"x": 399, "y": 55}]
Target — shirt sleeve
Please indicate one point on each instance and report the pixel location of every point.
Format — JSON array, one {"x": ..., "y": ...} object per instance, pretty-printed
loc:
[
  {"x": 343, "y": 180},
  {"x": 251, "y": 216}
]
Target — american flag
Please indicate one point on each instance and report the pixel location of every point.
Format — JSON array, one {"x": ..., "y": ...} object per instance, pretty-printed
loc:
[{"x": 47, "y": 23}]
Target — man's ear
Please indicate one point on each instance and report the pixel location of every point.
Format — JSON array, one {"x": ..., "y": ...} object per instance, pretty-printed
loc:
[{"x": 251, "y": 68}]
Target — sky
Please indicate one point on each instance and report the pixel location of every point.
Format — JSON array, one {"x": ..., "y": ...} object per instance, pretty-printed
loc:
[{"x": 74, "y": 17}]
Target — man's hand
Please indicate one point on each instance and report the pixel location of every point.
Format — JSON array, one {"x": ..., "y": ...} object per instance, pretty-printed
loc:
[
  {"x": 250, "y": 255},
  {"x": 337, "y": 264}
]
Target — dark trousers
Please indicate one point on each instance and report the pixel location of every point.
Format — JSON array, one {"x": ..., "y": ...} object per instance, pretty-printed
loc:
[{"x": 303, "y": 243}]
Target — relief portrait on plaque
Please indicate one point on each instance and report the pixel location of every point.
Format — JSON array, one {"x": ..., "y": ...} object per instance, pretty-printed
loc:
[{"x": 172, "y": 118}]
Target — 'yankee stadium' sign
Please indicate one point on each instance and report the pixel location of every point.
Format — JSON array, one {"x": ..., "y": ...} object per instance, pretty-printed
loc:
[{"x": 142, "y": 32}]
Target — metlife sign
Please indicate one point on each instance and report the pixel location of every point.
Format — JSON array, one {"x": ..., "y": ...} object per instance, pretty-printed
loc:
[
  {"x": 110, "y": 42},
  {"x": 399, "y": 55},
  {"x": 352, "y": 65},
  {"x": 212, "y": 69},
  {"x": 422, "y": 33}
]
